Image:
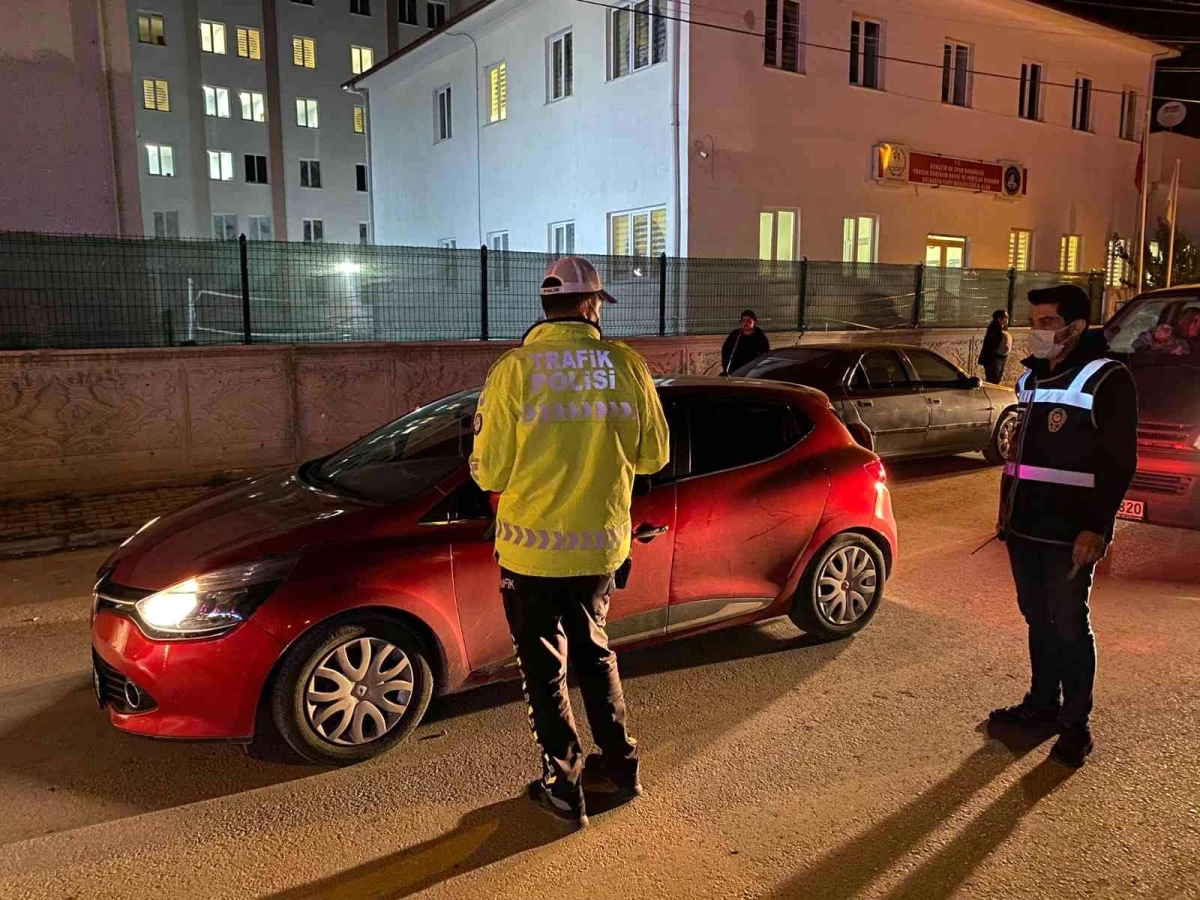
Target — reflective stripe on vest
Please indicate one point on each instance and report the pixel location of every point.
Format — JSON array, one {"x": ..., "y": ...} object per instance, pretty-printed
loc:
[
  {"x": 579, "y": 412},
  {"x": 1072, "y": 395},
  {"x": 1050, "y": 476},
  {"x": 544, "y": 539}
]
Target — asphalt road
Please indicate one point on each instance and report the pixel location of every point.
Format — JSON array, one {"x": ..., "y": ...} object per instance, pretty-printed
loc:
[{"x": 774, "y": 767}]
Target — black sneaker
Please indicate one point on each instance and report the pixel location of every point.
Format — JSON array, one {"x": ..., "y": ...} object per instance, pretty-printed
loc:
[
  {"x": 621, "y": 779},
  {"x": 1025, "y": 714},
  {"x": 1073, "y": 746},
  {"x": 570, "y": 810}
]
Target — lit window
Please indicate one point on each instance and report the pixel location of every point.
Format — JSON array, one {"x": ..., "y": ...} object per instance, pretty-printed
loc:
[
  {"x": 150, "y": 31},
  {"x": 637, "y": 37},
  {"x": 1118, "y": 270},
  {"x": 1081, "y": 107},
  {"x": 640, "y": 232},
  {"x": 497, "y": 77},
  {"x": 956, "y": 74},
  {"x": 155, "y": 94},
  {"x": 945, "y": 251},
  {"x": 259, "y": 227},
  {"x": 249, "y": 43},
  {"x": 216, "y": 101},
  {"x": 212, "y": 37},
  {"x": 865, "y": 40},
  {"x": 859, "y": 244},
  {"x": 304, "y": 52},
  {"x": 314, "y": 231},
  {"x": 777, "y": 235},
  {"x": 160, "y": 160},
  {"x": 1032, "y": 86},
  {"x": 360, "y": 120},
  {"x": 443, "y": 124},
  {"x": 1019, "y": 243},
  {"x": 562, "y": 238},
  {"x": 254, "y": 108},
  {"x": 310, "y": 173},
  {"x": 781, "y": 40},
  {"x": 1068, "y": 254},
  {"x": 560, "y": 67},
  {"x": 306, "y": 112},
  {"x": 220, "y": 165},
  {"x": 361, "y": 59}
]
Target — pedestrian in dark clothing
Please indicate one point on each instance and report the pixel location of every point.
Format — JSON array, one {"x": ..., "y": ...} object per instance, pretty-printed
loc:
[
  {"x": 745, "y": 343},
  {"x": 1075, "y": 455},
  {"x": 997, "y": 343}
]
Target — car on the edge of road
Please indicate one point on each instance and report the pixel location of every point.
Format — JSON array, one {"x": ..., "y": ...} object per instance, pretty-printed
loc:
[
  {"x": 1166, "y": 487},
  {"x": 331, "y": 602},
  {"x": 899, "y": 401}
]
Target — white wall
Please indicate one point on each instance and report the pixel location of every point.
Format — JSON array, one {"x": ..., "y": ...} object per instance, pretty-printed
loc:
[
  {"x": 805, "y": 140},
  {"x": 607, "y": 148}
]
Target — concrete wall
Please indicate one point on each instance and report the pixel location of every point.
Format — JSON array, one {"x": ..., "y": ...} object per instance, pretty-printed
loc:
[
  {"x": 85, "y": 421},
  {"x": 804, "y": 141}
]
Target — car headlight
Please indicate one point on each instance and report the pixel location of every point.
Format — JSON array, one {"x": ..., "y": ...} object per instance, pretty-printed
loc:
[{"x": 214, "y": 602}]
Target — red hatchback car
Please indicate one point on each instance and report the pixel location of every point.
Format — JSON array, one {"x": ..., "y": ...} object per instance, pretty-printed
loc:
[{"x": 334, "y": 601}]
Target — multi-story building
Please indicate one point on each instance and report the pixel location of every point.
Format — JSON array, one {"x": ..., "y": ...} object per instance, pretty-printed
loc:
[
  {"x": 973, "y": 133},
  {"x": 197, "y": 118}
]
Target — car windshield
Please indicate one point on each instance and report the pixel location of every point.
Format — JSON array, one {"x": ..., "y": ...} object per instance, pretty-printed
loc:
[
  {"x": 1159, "y": 331},
  {"x": 813, "y": 367},
  {"x": 407, "y": 456}
]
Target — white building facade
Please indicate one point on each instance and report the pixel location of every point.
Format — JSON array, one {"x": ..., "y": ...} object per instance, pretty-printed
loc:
[{"x": 966, "y": 133}]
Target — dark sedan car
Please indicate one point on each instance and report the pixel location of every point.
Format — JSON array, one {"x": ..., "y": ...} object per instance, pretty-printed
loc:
[{"x": 899, "y": 401}]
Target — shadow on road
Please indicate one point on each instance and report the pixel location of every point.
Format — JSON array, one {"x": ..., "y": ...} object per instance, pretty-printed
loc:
[
  {"x": 915, "y": 471},
  {"x": 848, "y": 869},
  {"x": 482, "y": 837}
]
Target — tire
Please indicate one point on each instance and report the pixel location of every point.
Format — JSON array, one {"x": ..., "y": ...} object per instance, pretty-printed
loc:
[
  {"x": 1004, "y": 432},
  {"x": 367, "y": 711},
  {"x": 828, "y": 611}
]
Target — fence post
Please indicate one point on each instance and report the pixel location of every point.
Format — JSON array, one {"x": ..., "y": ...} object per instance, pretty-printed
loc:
[
  {"x": 662, "y": 295},
  {"x": 802, "y": 294},
  {"x": 1012, "y": 292},
  {"x": 918, "y": 294},
  {"x": 246, "y": 336},
  {"x": 483, "y": 292}
]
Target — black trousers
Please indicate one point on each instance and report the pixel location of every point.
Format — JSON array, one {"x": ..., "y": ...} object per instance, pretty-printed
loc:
[
  {"x": 551, "y": 619},
  {"x": 1062, "y": 648},
  {"x": 993, "y": 369}
]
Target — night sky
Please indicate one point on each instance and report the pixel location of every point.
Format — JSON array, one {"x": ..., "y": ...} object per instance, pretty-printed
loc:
[{"x": 1179, "y": 20}]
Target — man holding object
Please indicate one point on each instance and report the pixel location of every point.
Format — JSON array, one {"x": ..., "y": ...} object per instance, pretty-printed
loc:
[{"x": 1075, "y": 454}]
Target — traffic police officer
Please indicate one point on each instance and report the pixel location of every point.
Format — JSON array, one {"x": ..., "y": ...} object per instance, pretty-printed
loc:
[
  {"x": 565, "y": 422},
  {"x": 1072, "y": 460}
]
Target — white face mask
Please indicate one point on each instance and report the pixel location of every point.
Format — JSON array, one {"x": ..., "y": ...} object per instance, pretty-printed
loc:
[{"x": 1042, "y": 344}]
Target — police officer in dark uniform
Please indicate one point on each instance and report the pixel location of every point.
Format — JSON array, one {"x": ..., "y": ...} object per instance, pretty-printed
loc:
[{"x": 1075, "y": 454}]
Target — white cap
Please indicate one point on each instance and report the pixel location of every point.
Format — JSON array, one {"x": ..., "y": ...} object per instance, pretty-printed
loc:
[{"x": 574, "y": 275}]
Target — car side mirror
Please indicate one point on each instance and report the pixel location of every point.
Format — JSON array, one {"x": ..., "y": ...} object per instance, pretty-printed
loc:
[
  {"x": 973, "y": 381},
  {"x": 641, "y": 485}
]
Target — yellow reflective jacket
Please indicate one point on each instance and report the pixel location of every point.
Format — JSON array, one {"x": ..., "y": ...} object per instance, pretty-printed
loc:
[{"x": 565, "y": 421}]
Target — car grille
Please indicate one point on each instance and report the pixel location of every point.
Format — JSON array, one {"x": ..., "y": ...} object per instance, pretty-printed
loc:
[
  {"x": 1154, "y": 483},
  {"x": 1165, "y": 435},
  {"x": 114, "y": 689}
]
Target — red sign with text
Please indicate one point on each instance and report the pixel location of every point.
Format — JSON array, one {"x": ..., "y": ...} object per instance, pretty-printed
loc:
[{"x": 965, "y": 174}]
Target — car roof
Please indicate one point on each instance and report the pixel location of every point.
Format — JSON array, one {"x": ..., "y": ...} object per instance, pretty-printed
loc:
[
  {"x": 844, "y": 347},
  {"x": 776, "y": 389},
  {"x": 1168, "y": 291}
]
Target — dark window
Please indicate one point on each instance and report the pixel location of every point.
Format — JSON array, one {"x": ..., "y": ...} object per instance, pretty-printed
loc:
[
  {"x": 815, "y": 368},
  {"x": 932, "y": 370},
  {"x": 864, "y": 53},
  {"x": 435, "y": 14},
  {"x": 880, "y": 369},
  {"x": 304, "y": 2},
  {"x": 1030, "y": 106},
  {"x": 771, "y": 34},
  {"x": 360, "y": 177},
  {"x": 256, "y": 169},
  {"x": 1081, "y": 110},
  {"x": 360, "y": 7},
  {"x": 310, "y": 173},
  {"x": 729, "y": 433},
  {"x": 364, "y": 233},
  {"x": 466, "y": 503},
  {"x": 956, "y": 74},
  {"x": 408, "y": 12}
]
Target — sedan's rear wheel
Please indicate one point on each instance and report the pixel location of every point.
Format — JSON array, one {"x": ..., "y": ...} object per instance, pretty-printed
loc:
[
  {"x": 841, "y": 589},
  {"x": 1000, "y": 449},
  {"x": 348, "y": 691}
]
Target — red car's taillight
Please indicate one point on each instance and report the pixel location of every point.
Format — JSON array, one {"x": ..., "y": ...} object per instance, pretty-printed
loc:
[{"x": 876, "y": 470}]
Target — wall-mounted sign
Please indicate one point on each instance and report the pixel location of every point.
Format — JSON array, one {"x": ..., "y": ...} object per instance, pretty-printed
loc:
[{"x": 897, "y": 164}]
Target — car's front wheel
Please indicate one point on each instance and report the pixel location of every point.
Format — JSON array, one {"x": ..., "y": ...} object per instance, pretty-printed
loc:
[
  {"x": 841, "y": 589},
  {"x": 350, "y": 690},
  {"x": 1000, "y": 448}
]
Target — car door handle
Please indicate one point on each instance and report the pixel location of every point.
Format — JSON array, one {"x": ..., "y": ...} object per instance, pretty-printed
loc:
[
  {"x": 934, "y": 400},
  {"x": 646, "y": 533},
  {"x": 866, "y": 402}
]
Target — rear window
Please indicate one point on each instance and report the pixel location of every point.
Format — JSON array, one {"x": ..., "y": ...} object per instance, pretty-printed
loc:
[
  {"x": 726, "y": 434},
  {"x": 1158, "y": 331},
  {"x": 814, "y": 368}
]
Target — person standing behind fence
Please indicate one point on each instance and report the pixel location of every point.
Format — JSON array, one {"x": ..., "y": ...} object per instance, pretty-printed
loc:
[
  {"x": 745, "y": 343},
  {"x": 997, "y": 344}
]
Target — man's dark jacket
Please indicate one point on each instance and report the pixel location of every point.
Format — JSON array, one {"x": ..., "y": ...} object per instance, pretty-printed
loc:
[
  {"x": 992, "y": 342},
  {"x": 740, "y": 349},
  {"x": 1059, "y": 434}
]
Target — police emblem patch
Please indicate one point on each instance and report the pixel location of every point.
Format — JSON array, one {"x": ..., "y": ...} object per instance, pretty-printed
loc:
[
  {"x": 1058, "y": 418},
  {"x": 478, "y": 422}
]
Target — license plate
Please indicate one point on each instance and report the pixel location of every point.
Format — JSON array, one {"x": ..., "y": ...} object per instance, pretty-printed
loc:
[
  {"x": 1132, "y": 509},
  {"x": 98, "y": 686}
]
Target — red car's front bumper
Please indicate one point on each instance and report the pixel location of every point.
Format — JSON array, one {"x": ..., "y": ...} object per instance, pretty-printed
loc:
[{"x": 202, "y": 689}]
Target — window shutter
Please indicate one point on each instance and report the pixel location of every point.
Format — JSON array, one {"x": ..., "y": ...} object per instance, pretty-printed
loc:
[
  {"x": 310, "y": 53},
  {"x": 148, "y": 92},
  {"x": 297, "y": 52},
  {"x": 359, "y": 120},
  {"x": 162, "y": 96}
]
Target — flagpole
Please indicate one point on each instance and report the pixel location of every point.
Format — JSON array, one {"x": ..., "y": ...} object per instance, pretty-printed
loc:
[
  {"x": 1145, "y": 187},
  {"x": 1173, "y": 207}
]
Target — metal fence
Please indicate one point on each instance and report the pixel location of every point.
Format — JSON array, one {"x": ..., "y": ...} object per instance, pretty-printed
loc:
[{"x": 66, "y": 291}]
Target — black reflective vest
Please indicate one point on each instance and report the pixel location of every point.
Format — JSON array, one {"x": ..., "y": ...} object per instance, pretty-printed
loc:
[{"x": 1047, "y": 488}]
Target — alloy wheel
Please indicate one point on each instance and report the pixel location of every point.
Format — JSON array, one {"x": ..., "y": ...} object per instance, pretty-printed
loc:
[
  {"x": 1006, "y": 435},
  {"x": 846, "y": 585},
  {"x": 359, "y": 691}
]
